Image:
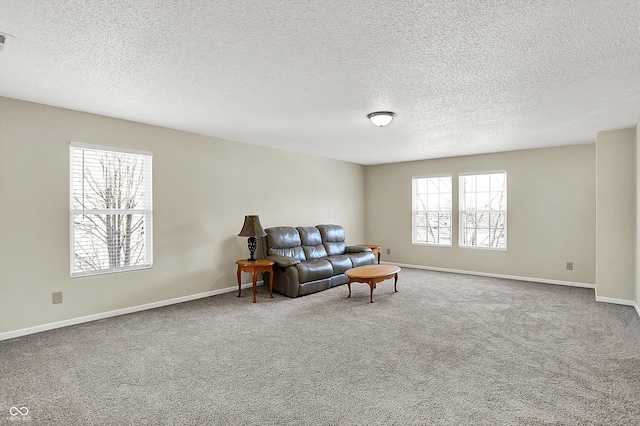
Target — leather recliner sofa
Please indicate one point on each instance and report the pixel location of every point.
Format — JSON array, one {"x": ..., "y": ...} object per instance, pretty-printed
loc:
[{"x": 309, "y": 259}]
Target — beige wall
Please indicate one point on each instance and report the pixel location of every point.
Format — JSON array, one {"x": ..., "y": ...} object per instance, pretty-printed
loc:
[
  {"x": 550, "y": 218},
  {"x": 616, "y": 214},
  {"x": 203, "y": 187}
]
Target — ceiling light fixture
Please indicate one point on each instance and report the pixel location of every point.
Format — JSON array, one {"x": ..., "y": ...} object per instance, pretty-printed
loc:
[
  {"x": 381, "y": 118},
  {"x": 3, "y": 39}
]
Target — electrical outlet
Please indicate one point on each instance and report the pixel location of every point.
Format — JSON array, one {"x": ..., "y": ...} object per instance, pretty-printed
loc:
[
  {"x": 57, "y": 297},
  {"x": 388, "y": 251},
  {"x": 569, "y": 266}
]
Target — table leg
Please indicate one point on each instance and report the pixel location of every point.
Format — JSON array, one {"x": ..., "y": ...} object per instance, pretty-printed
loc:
[
  {"x": 239, "y": 285},
  {"x": 371, "y": 285},
  {"x": 349, "y": 286},
  {"x": 378, "y": 257},
  {"x": 394, "y": 284},
  {"x": 254, "y": 286},
  {"x": 270, "y": 284}
]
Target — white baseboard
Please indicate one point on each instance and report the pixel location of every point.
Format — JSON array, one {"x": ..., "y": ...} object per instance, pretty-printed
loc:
[
  {"x": 619, "y": 302},
  {"x": 615, "y": 301},
  {"x": 73, "y": 321},
  {"x": 508, "y": 277}
]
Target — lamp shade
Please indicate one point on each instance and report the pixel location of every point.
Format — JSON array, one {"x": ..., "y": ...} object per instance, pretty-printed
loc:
[
  {"x": 252, "y": 227},
  {"x": 381, "y": 118}
]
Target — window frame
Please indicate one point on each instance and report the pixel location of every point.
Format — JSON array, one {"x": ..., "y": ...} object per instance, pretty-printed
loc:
[
  {"x": 146, "y": 212},
  {"x": 415, "y": 212},
  {"x": 462, "y": 209}
]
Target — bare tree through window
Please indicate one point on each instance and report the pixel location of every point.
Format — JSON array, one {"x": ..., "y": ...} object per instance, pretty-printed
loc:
[
  {"x": 432, "y": 210},
  {"x": 111, "y": 210},
  {"x": 483, "y": 210}
]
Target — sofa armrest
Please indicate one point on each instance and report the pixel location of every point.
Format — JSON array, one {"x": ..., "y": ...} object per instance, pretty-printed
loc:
[
  {"x": 357, "y": 249},
  {"x": 283, "y": 261}
]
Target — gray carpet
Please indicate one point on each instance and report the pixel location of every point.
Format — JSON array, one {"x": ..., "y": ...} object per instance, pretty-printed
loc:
[{"x": 446, "y": 349}]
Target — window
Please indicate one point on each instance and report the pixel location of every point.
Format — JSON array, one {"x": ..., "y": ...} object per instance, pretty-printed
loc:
[
  {"x": 483, "y": 210},
  {"x": 111, "y": 210},
  {"x": 432, "y": 210}
]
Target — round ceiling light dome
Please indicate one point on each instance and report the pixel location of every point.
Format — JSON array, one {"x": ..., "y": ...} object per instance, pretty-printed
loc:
[{"x": 381, "y": 118}]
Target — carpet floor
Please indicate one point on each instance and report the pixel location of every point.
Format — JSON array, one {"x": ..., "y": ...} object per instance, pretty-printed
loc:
[{"x": 446, "y": 349}]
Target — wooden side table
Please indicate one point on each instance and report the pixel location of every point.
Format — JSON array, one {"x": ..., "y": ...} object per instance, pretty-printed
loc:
[
  {"x": 374, "y": 248},
  {"x": 254, "y": 268}
]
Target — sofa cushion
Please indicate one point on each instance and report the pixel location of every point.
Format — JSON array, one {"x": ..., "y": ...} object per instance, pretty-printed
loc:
[
  {"x": 333, "y": 239},
  {"x": 361, "y": 259},
  {"x": 340, "y": 263},
  {"x": 311, "y": 242},
  {"x": 314, "y": 269},
  {"x": 284, "y": 241}
]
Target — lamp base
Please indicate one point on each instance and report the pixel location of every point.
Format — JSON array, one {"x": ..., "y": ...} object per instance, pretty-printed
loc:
[{"x": 252, "y": 244}]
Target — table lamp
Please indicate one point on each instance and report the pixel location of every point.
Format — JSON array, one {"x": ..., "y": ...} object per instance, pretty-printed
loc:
[{"x": 252, "y": 229}]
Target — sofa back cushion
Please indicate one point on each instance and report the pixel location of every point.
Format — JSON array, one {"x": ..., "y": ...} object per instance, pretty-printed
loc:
[
  {"x": 284, "y": 241},
  {"x": 311, "y": 242},
  {"x": 333, "y": 239}
]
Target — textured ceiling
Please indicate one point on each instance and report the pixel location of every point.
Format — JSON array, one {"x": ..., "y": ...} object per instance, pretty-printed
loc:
[{"x": 464, "y": 77}]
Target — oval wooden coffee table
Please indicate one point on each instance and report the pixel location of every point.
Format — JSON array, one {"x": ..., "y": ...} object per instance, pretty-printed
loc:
[{"x": 372, "y": 274}]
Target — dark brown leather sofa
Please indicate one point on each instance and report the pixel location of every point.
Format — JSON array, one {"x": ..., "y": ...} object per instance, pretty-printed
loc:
[{"x": 309, "y": 259}]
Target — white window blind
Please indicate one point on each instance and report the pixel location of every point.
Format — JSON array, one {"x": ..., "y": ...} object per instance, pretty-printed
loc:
[
  {"x": 111, "y": 209},
  {"x": 432, "y": 210},
  {"x": 483, "y": 210}
]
